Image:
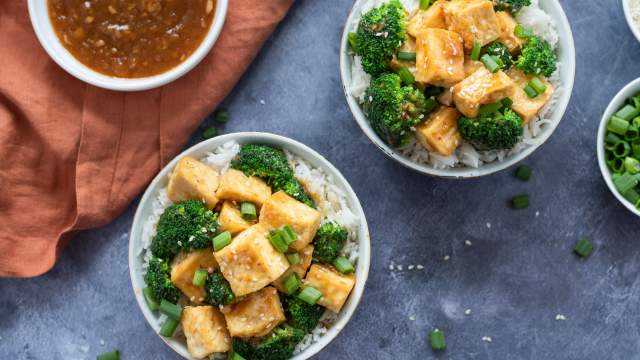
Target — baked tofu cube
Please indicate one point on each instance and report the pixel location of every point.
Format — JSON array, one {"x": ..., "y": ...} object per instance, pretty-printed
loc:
[
  {"x": 235, "y": 185},
  {"x": 523, "y": 105},
  {"x": 507, "y": 36},
  {"x": 185, "y": 265},
  {"x": 421, "y": 20},
  {"x": 256, "y": 315},
  {"x": 471, "y": 66},
  {"x": 281, "y": 209},
  {"x": 306, "y": 255},
  {"x": 439, "y": 57},
  {"x": 231, "y": 220},
  {"x": 482, "y": 87},
  {"x": 193, "y": 180},
  {"x": 250, "y": 262},
  {"x": 335, "y": 287},
  {"x": 474, "y": 20},
  {"x": 439, "y": 132},
  {"x": 205, "y": 330}
]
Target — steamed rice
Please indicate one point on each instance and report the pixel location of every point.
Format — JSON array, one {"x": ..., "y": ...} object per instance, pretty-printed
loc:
[{"x": 466, "y": 155}]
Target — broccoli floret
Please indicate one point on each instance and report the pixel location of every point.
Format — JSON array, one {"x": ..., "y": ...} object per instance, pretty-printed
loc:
[
  {"x": 501, "y": 52},
  {"x": 187, "y": 225},
  {"x": 537, "y": 57},
  {"x": 380, "y": 33},
  {"x": 512, "y": 6},
  {"x": 394, "y": 110},
  {"x": 158, "y": 278},
  {"x": 271, "y": 165},
  {"x": 217, "y": 290},
  {"x": 328, "y": 242},
  {"x": 279, "y": 345},
  {"x": 500, "y": 130},
  {"x": 302, "y": 315}
]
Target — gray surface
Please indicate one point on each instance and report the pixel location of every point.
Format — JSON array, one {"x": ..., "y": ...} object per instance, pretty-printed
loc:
[{"x": 515, "y": 278}]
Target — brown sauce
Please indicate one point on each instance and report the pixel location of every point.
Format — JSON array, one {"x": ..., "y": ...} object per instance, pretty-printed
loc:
[{"x": 131, "y": 38}]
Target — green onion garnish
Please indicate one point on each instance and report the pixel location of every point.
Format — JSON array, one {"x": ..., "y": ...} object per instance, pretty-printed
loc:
[
  {"x": 150, "y": 298},
  {"x": 294, "y": 258},
  {"x": 406, "y": 56},
  {"x": 475, "y": 52},
  {"x": 612, "y": 138},
  {"x": 170, "y": 309},
  {"x": 524, "y": 173},
  {"x": 635, "y": 148},
  {"x": 291, "y": 284},
  {"x": 520, "y": 201},
  {"x": 200, "y": 277},
  {"x": 209, "y": 133},
  {"x": 436, "y": 338},
  {"x": 489, "y": 109},
  {"x": 235, "y": 356},
  {"x": 248, "y": 211},
  {"x": 616, "y": 165},
  {"x": 490, "y": 63},
  {"x": 530, "y": 91},
  {"x": 618, "y": 125},
  {"x": 352, "y": 38},
  {"x": 168, "y": 328},
  {"x": 406, "y": 76},
  {"x": 632, "y": 165},
  {"x": 221, "y": 116},
  {"x": 278, "y": 242},
  {"x": 289, "y": 234},
  {"x": 522, "y": 32},
  {"x": 424, "y": 4},
  {"x": 113, "y": 355},
  {"x": 625, "y": 182},
  {"x": 310, "y": 295},
  {"x": 538, "y": 85},
  {"x": 221, "y": 240},
  {"x": 632, "y": 196},
  {"x": 632, "y": 133},
  {"x": 343, "y": 265},
  {"x": 621, "y": 149},
  {"x": 506, "y": 102},
  {"x": 583, "y": 248},
  {"x": 628, "y": 112}
]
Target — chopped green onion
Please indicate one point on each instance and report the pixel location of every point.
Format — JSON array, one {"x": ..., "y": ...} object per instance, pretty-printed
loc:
[
  {"x": 538, "y": 85},
  {"x": 522, "y": 32},
  {"x": 248, "y": 211},
  {"x": 430, "y": 105},
  {"x": 632, "y": 165},
  {"x": 632, "y": 196},
  {"x": 506, "y": 102},
  {"x": 235, "y": 356},
  {"x": 278, "y": 242},
  {"x": 406, "y": 76},
  {"x": 628, "y": 112},
  {"x": 636, "y": 122},
  {"x": 200, "y": 277},
  {"x": 169, "y": 327},
  {"x": 489, "y": 109},
  {"x": 432, "y": 91},
  {"x": 291, "y": 284},
  {"x": 616, "y": 165},
  {"x": 310, "y": 295},
  {"x": 625, "y": 182},
  {"x": 221, "y": 116},
  {"x": 638, "y": 205},
  {"x": 406, "y": 56},
  {"x": 170, "y": 309},
  {"x": 583, "y": 248},
  {"x": 424, "y": 4},
  {"x": 609, "y": 155},
  {"x": 343, "y": 265},
  {"x": 530, "y": 91},
  {"x": 294, "y": 258},
  {"x": 490, "y": 62},
  {"x": 635, "y": 148},
  {"x": 221, "y": 240},
  {"x": 475, "y": 52},
  {"x": 524, "y": 173},
  {"x": 289, "y": 235},
  {"x": 632, "y": 133},
  {"x": 612, "y": 138},
  {"x": 520, "y": 201},
  {"x": 209, "y": 133},
  {"x": 436, "y": 338},
  {"x": 618, "y": 125},
  {"x": 622, "y": 149},
  {"x": 352, "y": 38},
  {"x": 113, "y": 355},
  {"x": 150, "y": 298}
]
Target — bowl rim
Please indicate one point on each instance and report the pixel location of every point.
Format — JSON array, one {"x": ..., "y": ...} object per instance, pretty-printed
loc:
[
  {"x": 635, "y": 29},
  {"x": 618, "y": 100},
  {"x": 305, "y": 152},
  {"x": 461, "y": 172},
  {"x": 60, "y": 55}
]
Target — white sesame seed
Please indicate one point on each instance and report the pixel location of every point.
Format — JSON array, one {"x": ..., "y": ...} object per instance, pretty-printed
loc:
[
  {"x": 560, "y": 317},
  {"x": 391, "y": 267},
  {"x": 399, "y": 267},
  {"x": 412, "y": 318},
  {"x": 487, "y": 339},
  {"x": 467, "y": 312},
  {"x": 467, "y": 242},
  {"x": 488, "y": 225},
  {"x": 447, "y": 257},
  {"x": 411, "y": 267},
  {"x": 101, "y": 342},
  {"x": 419, "y": 267}
]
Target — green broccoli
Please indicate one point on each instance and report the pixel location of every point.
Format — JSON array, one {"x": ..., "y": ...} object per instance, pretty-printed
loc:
[
  {"x": 271, "y": 165},
  {"x": 279, "y": 345},
  {"x": 158, "y": 278},
  {"x": 501, "y": 52},
  {"x": 328, "y": 242},
  {"x": 500, "y": 130},
  {"x": 394, "y": 110},
  {"x": 302, "y": 315},
  {"x": 217, "y": 290},
  {"x": 187, "y": 225},
  {"x": 537, "y": 57},
  {"x": 512, "y": 6},
  {"x": 380, "y": 33}
]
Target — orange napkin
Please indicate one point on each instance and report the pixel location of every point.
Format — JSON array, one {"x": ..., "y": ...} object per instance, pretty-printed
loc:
[{"x": 73, "y": 156}]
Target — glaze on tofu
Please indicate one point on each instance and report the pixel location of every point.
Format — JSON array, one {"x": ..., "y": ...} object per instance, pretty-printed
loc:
[
  {"x": 231, "y": 220},
  {"x": 482, "y": 87},
  {"x": 185, "y": 265},
  {"x": 523, "y": 105},
  {"x": 334, "y": 286},
  {"x": 439, "y": 57},
  {"x": 474, "y": 20},
  {"x": 255, "y": 315},
  {"x": 205, "y": 330},
  {"x": 507, "y": 36},
  {"x": 236, "y": 186},
  {"x": 306, "y": 255},
  {"x": 193, "y": 180},
  {"x": 439, "y": 133},
  {"x": 421, "y": 20}
]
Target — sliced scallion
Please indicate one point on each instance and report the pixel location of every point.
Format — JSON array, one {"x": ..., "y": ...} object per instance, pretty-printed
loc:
[
  {"x": 150, "y": 298},
  {"x": 424, "y": 4},
  {"x": 538, "y": 85},
  {"x": 628, "y": 112},
  {"x": 436, "y": 337},
  {"x": 520, "y": 201},
  {"x": 632, "y": 165},
  {"x": 113, "y": 355},
  {"x": 310, "y": 295},
  {"x": 221, "y": 240},
  {"x": 170, "y": 309},
  {"x": 200, "y": 277},
  {"x": 621, "y": 149},
  {"x": 343, "y": 265},
  {"x": 583, "y": 248},
  {"x": 490, "y": 63},
  {"x": 618, "y": 125},
  {"x": 248, "y": 211},
  {"x": 289, "y": 234},
  {"x": 406, "y": 76},
  {"x": 489, "y": 109},
  {"x": 294, "y": 258},
  {"x": 209, "y": 133},
  {"x": 406, "y": 56},
  {"x": 475, "y": 52},
  {"x": 352, "y": 39},
  {"x": 530, "y": 91},
  {"x": 221, "y": 116},
  {"x": 625, "y": 182},
  {"x": 522, "y": 32},
  {"x": 278, "y": 242},
  {"x": 524, "y": 173},
  {"x": 291, "y": 284},
  {"x": 169, "y": 327}
]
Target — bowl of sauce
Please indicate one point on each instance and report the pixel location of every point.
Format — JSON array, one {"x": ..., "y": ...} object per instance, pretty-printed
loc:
[{"x": 127, "y": 45}]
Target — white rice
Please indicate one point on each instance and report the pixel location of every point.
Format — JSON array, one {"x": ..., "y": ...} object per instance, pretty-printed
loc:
[
  {"x": 466, "y": 155},
  {"x": 331, "y": 203}
]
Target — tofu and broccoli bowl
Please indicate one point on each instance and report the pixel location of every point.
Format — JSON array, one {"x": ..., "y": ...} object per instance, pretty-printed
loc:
[
  {"x": 249, "y": 246},
  {"x": 457, "y": 84}
]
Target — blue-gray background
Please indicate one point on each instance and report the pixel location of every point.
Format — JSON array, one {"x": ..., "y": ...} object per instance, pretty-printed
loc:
[{"x": 517, "y": 275}]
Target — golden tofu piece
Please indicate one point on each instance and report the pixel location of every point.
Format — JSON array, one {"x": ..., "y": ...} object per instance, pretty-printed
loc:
[
  {"x": 231, "y": 220},
  {"x": 250, "y": 262},
  {"x": 281, "y": 209},
  {"x": 334, "y": 286},
  {"x": 471, "y": 66},
  {"x": 193, "y": 180},
  {"x": 474, "y": 20},
  {"x": 439, "y": 57},
  {"x": 523, "y": 105},
  {"x": 235, "y": 185},
  {"x": 256, "y": 315},
  {"x": 440, "y": 132},
  {"x": 445, "y": 97},
  {"x": 306, "y": 255},
  {"x": 482, "y": 87},
  {"x": 433, "y": 17},
  {"x": 507, "y": 26},
  {"x": 185, "y": 265},
  {"x": 205, "y": 330}
]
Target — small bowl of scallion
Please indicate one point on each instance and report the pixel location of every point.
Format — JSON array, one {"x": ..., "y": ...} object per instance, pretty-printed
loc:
[{"x": 619, "y": 146}]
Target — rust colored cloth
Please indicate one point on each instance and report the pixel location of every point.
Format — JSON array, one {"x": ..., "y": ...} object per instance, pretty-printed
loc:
[{"x": 73, "y": 156}]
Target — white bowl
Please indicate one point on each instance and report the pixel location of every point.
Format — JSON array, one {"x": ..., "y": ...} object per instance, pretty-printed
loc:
[
  {"x": 618, "y": 102},
  {"x": 304, "y": 152},
  {"x": 39, "y": 13},
  {"x": 626, "y": 6},
  {"x": 567, "y": 66}
]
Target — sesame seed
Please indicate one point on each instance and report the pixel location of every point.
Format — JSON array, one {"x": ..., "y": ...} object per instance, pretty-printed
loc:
[
  {"x": 560, "y": 317},
  {"x": 467, "y": 242},
  {"x": 487, "y": 339},
  {"x": 467, "y": 312},
  {"x": 419, "y": 267},
  {"x": 447, "y": 257}
]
